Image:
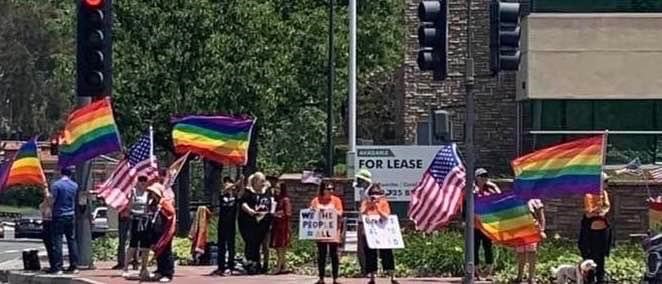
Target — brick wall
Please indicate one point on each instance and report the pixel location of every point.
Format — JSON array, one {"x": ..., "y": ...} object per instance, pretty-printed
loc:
[{"x": 495, "y": 97}]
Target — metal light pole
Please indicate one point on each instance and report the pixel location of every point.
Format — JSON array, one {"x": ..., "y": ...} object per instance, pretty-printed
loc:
[
  {"x": 351, "y": 154},
  {"x": 329, "y": 95},
  {"x": 469, "y": 144},
  {"x": 83, "y": 221}
]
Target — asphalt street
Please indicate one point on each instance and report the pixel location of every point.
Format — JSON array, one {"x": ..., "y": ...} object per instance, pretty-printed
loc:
[{"x": 10, "y": 250}]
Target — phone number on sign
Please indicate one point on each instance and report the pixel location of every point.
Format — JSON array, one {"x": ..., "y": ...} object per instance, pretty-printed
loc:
[{"x": 394, "y": 193}]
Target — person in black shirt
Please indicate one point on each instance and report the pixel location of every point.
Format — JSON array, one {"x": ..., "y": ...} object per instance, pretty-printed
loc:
[
  {"x": 257, "y": 207},
  {"x": 226, "y": 229}
]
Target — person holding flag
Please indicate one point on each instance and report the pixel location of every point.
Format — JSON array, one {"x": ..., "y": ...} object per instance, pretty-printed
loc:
[{"x": 595, "y": 235}]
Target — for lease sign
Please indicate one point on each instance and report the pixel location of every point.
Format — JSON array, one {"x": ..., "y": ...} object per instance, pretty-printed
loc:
[{"x": 397, "y": 168}]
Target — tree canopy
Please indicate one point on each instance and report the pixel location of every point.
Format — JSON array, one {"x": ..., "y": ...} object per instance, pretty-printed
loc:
[{"x": 267, "y": 59}]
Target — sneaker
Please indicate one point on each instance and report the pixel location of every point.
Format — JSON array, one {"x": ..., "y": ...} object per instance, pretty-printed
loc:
[
  {"x": 164, "y": 279},
  {"x": 217, "y": 272},
  {"x": 125, "y": 274},
  {"x": 117, "y": 267},
  {"x": 73, "y": 270},
  {"x": 55, "y": 272}
]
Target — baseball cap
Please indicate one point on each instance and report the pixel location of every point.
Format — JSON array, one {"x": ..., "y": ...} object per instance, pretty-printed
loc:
[{"x": 481, "y": 171}]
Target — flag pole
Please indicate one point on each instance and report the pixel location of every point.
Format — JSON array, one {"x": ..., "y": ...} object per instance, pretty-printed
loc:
[
  {"x": 152, "y": 159},
  {"x": 604, "y": 157}
]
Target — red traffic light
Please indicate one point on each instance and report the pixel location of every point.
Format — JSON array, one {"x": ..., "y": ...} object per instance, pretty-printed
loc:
[{"x": 94, "y": 4}]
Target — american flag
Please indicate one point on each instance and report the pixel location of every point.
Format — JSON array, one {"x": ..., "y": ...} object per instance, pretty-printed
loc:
[
  {"x": 438, "y": 196},
  {"x": 656, "y": 174},
  {"x": 115, "y": 190}
]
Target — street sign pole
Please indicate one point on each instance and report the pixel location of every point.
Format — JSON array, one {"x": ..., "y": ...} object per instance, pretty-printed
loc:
[{"x": 469, "y": 146}]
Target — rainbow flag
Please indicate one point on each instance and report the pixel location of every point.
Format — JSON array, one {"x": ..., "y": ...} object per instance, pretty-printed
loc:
[
  {"x": 217, "y": 138},
  {"x": 506, "y": 220},
  {"x": 566, "y": 169},
  {"x": 24, "y": 169},
  {"x": 655, "y": 216},
  {"x": 90, "y": 131}
]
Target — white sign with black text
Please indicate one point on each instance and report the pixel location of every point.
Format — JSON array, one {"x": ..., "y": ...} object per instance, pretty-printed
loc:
[
  {"x": 383, "y": 233},
  {"x": 318, "y": 225},
  {"x": 397, "y": 168}
]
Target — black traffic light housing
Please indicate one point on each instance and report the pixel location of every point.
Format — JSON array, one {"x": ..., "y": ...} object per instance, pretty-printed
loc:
[
  {"x": 505, "y": 35},
  {"x": 94, "y": 48},
  {"x": 433, "y": 37}
]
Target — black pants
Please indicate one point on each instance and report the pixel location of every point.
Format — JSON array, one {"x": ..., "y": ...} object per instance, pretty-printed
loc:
[
  {"x": 64, "y": 226},
  {"x": 255, "y": 235},
  {"x": 386, "y": 255},
  {"x": 165, "y": 263},
  {"x": 598, "y": 246},
  {"x": 226, "y": 244},
  {"x": 322, "y": 249},
  {"x": 46, "y": 233},
  {"x": 480, "y": 238}
]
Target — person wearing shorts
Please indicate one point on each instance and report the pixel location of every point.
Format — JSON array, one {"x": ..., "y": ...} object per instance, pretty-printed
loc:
[
  {"x": 140, "y": 238},
  {"x": 526, "y": 254}
]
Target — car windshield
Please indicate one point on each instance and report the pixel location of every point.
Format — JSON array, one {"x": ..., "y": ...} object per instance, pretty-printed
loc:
[{"x": 102, "y": 214}]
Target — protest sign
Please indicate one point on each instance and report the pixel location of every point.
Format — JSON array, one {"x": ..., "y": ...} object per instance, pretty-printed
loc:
[
  {"x": 319, "y": 224},
  {"x": 383, "y": 233}
]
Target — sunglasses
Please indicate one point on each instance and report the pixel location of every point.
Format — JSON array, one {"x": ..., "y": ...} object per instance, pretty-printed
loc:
[{"x": 483, "y": 175}]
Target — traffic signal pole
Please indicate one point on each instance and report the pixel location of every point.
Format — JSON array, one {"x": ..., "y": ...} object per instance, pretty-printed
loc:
[{"x": 470, "y": 116}]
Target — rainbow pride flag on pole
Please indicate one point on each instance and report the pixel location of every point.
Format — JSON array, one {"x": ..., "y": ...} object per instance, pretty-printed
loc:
[
  {"x": 567, "y": 169},
  {"x": 217, "y": 138},
  {"x": 506, "y": 220},
  {"x": 24, "y": 169},
  {"x": 90, "y": 131}
]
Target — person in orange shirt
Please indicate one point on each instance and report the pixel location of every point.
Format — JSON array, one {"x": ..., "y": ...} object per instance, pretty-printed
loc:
[
  {"x": 326, "y": 200},
  {"x": 594, "y": 235},
  {"x": 376, "y": 205}
]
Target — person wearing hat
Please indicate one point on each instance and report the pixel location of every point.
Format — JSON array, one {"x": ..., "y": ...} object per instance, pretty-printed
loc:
[
  {"x": 484, "y": 187},
  {"x": 163, "y": 227},
  {"x": 139, "y": 236},
  {"x": 594, "y": 235},
  {"x": 362, "y": 183},
  {"x": 226, "y": 228}
]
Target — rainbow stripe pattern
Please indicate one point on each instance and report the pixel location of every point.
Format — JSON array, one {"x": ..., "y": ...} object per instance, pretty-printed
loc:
[
  {"x": 24, "y": 169},
  {"x": 218, "y": 138},
  {"x": 655, "y": 216},
  {"x": 506, "y": 220},
  {"x": 570, "y": 168},
  {"x": 90, "y": 131}
]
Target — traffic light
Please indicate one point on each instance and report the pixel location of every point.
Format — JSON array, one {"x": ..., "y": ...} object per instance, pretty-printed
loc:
[
  {"x": 504, "y": 36},
  {"x": 94, "y": 48},
  {"x": 433, "y": 37}
]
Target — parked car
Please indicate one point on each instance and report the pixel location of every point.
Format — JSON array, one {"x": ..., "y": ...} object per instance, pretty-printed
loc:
[
  {"x": 29, "y": 226},
  {"x": 100, "y": 222}
]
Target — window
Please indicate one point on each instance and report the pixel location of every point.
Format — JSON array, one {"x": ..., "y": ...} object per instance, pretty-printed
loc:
[
  {"x": 574, "y": 115},
  {"x": 596, "y": 6}
]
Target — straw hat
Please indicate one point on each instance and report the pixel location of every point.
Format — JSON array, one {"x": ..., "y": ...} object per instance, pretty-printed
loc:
[
  {"x": 365, "y": 175},
  {"x": 157, "y": 189}
]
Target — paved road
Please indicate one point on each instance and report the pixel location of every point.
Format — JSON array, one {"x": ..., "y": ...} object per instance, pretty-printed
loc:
[{"x": 10, "y": 250}]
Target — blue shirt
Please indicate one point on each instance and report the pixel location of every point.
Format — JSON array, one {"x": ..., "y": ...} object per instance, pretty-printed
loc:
[{"x": 64, "y": 193}]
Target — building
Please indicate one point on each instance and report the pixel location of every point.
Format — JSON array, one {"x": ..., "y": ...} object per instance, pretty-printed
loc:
[{"x": 586, "y": 65}]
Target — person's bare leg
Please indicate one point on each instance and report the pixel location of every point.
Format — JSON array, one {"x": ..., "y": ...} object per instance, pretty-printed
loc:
[
  {"x": 532, "y": 259},
  {"x": 521, "y": 261},
  {"x": 131, "y": 252},
  {"x": 144, "y": 255}
]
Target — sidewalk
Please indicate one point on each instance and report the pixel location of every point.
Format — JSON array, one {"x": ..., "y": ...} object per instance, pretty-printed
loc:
[{"x": 198, "y": 275}]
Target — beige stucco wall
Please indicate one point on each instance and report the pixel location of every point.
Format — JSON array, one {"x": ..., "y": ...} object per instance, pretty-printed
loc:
[{"x": 591, "y": 56}]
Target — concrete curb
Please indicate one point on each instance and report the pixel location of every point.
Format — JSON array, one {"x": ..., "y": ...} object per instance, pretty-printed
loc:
[{"x": 41, "y": 278}]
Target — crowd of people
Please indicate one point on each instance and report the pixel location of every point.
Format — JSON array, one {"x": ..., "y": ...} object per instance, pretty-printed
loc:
[{"x": 261, "y": 209}]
